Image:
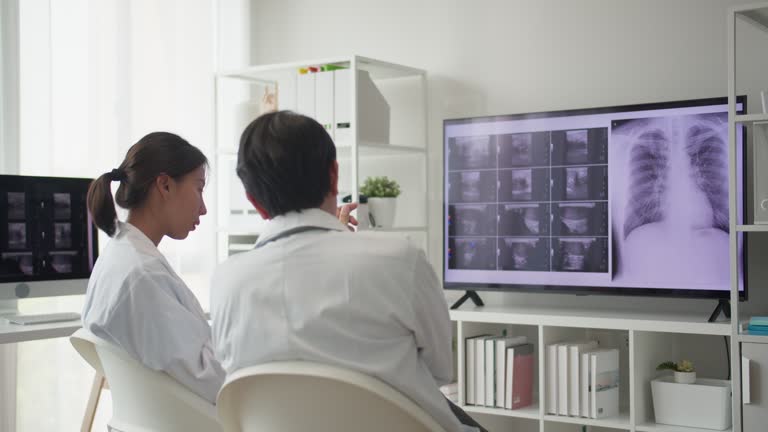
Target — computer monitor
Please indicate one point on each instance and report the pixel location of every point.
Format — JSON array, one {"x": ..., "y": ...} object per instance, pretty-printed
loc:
[
  {"x": 617, "y": 200},
  {"x": 48, "y": 241}
]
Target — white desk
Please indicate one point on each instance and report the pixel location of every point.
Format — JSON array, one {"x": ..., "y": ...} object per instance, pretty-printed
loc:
[{"x": 13, "y": 333}]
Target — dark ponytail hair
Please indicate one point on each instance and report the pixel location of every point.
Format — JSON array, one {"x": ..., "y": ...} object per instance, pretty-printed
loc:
[{"x": 155, "y": 154}]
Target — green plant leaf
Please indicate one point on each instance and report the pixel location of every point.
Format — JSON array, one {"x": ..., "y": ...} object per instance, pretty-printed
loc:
[
  {"x": 380, "y": 187},
  {"x": 667, "y": 366}
]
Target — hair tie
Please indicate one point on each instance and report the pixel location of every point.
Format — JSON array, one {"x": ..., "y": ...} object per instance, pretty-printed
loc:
[{"x": 117, "y": 175}]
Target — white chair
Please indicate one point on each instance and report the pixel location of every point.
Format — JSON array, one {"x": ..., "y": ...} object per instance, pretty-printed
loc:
[
  {"x": 144, "y": 400},
  {"x": 302, "y": 396}
]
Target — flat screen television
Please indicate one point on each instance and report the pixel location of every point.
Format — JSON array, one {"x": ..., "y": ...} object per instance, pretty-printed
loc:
[
  {"x": 620, "y": 200},
  {"x": 48, "y": 241}
]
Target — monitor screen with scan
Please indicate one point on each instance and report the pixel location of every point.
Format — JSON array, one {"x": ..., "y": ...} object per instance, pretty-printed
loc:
[
  {"x": 48, "y": 242},
  {"x": 616, "y": 200}
]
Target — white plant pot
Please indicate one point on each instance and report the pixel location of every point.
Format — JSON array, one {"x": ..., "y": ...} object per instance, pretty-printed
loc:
[
  {"x": 383, "y": 211},
  {"x": 685, "y": 377}
]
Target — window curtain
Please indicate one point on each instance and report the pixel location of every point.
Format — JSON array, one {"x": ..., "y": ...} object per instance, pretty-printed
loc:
[{"x": 95, "y": 76}]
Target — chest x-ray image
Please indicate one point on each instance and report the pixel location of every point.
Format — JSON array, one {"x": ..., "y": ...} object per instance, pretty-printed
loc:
[
  {"x": 472, "y": 152},
  {"x": 472, "y": 253},
  {"x": 472, "y": 220},
  {"x": 529, "y": 254},
  {"x": 523, "y": 149},
  {"x": 670, "y": 204},
  {"x": 472, "y": 186}
]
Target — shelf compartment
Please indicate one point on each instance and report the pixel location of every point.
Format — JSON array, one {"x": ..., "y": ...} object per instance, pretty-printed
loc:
[
  {"x": 654, "y": 427},
  {"x": 471, "y": 329},
  {"x": 755, "y": 14},
  {"x": 530, "y": 412},
  {"x": 752, "y": 228},
  {"x": 750, "y": 118},
  {"x": 594, "y": 318},
  {"x": 379, "y": 150},
  {"x": 707, "y": 352},
  {"x": 379, "y": 70},
  {"x": 620, "y": 422},
  {"x": 606, "y": 339},
  {"x": 751, "y": 338}
]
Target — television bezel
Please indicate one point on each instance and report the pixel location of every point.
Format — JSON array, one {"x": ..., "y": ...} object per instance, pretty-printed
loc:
[{"x": 587, "y": 290}]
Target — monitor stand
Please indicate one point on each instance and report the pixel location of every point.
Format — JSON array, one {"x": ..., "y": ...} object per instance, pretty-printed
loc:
[
  {"x": 9, "y": 307},
  {"x": 469, "y": 295},
  {"x": 724, "y": 306}
]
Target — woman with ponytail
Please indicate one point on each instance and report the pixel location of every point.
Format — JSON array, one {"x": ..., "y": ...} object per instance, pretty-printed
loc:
[{"x": 135, "y": 299}]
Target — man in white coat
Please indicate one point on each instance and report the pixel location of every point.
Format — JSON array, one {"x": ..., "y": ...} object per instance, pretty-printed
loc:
[{"x": 312, "y": 290}]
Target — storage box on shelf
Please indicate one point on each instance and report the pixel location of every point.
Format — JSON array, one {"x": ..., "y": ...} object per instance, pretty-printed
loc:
[
  {"x": 375, "y": 111},
  {"x": 643, "y": 340}
]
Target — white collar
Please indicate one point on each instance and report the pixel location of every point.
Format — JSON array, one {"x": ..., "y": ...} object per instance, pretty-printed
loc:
[
  {"x": 307, "y": 218},
  {"x": 137, "y": 237}
]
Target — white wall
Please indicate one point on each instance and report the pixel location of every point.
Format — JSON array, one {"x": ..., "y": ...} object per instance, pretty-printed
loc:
[
  {"x": 503, "y": 57},
  {"x": 9, "y": 86}
]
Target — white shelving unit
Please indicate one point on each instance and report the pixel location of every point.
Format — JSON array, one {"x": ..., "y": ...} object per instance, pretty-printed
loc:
[
  {"x": 644, "y": 340},
  {"x": 745, "y": 417},
  {"x": 403, "y": 157}
]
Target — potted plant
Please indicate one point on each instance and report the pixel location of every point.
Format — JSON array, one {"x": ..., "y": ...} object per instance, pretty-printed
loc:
[
  {"x": 381, "y": 193},
  {"x": 684, "y": 372}
]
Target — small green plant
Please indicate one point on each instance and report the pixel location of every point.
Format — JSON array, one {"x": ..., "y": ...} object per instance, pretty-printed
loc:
[
  {"x": 683, "y": 366},
  {"x": 380, "y": 187}
]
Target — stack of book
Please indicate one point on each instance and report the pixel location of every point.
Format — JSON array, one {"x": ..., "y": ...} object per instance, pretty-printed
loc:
[
  {"x": 499, "y": 371},
  {"x": 582, "y": 380},
  {"x": 758, "y": 326}
]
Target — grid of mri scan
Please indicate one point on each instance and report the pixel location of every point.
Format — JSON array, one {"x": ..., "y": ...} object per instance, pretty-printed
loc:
[
  {"x": 534, "y": 201},
  {"x": 44, "y": 229}
]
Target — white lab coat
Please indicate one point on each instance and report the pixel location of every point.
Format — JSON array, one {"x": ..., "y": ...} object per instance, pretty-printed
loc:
[
  {"x": 136, "y": 301},
  {"x": 364, "y": 301}
]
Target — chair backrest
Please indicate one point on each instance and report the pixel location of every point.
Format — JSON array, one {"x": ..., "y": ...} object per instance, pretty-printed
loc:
[
  {"x": 144, "y": 400},
  {"x": 300, "y": 396}
]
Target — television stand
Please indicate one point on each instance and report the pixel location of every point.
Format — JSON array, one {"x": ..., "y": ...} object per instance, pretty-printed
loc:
[
  {"x": 724, "y": 306},
  {"x": 469, "y": 295}
]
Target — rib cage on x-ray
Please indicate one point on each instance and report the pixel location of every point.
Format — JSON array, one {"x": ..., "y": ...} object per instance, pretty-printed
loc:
[
  {"x": 708, "y": 157},
  {"x": 649, "y": 164}
]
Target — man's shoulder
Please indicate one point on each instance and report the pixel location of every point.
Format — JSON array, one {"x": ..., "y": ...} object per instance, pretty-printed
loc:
[{"x": 380, "y": 244}]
